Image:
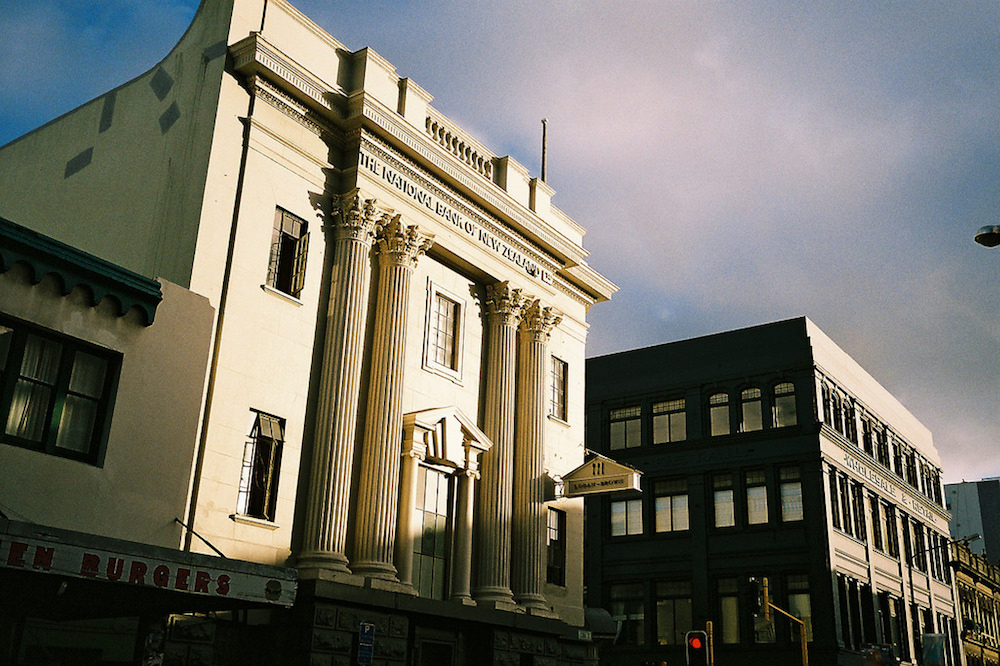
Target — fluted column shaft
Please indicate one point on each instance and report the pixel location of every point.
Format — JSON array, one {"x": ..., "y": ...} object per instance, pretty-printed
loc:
[
  {"x": 528, "y": 565},
  {"x": 325, "y": 532},
  {"x": 405, "y": 529},
  {"x": 398, "y": 248},
  {"x": 493, "y": 506}
]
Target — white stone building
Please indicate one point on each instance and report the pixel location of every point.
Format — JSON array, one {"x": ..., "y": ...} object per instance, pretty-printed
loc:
[{"x": 394, "y": 375}]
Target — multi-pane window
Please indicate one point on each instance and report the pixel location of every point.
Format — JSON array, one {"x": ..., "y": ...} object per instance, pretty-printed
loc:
[
  {"x": 882, "y": 446},
  {"x": 444, "y": 332},
  {"x": 55, "y": 393},
  {"x": 558, "y": 383},
  {"x": 858, "y": 496},
  {"x": 729, "y": 611},
  {"x": 626, "y": 427},
  {"x": 876, "y": 520},
  {"x": 671, "y": 505},
  {"x": 431, "y": 543},
  {"x": 790, "y": 488},
  {"x": 673, "y": 611},
  {"x": 846, "y": 513},
  {"x": 286, "y": 269},
  {"x": 891, "y": 533},
  {"x": 626, "y": 517},
  {"x": 752, "y": 416},
  {"x": 784, "y": 405},
  {"x": 628, "y": 604},
  {"x": 756, "y": 489},
  {"x": 258, "y": 491},
  {"x": 725, "y": 509},
  {"x": 555, "y": 539},
  {"x": 718, "y": 414},
  {"x": 834, "y": 498},
  {"x": 868, "y": 436},
  {"x": 800, "y": 605},
  {"x": 669, "y": 421}
]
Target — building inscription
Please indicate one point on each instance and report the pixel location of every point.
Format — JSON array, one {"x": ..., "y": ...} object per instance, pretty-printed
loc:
[
  {"x": 902, "y": 498},
  {"x": 460, "y": 222}
]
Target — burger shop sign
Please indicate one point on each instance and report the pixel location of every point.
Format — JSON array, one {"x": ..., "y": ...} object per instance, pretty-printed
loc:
[{"x": 172, "y": 573}]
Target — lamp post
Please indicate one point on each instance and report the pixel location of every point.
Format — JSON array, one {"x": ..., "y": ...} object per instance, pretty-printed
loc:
[
  {"x": 988, "y": 236},
  {"x": 964, "y": 540}
]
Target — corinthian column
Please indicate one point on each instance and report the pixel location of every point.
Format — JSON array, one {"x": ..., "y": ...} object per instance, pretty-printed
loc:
[
  {"x": 325, "y": 532},
  {"x": 493, "y": 507},
  {"x": 398, "y": 247},
  {"x": 528, "y": 567}
]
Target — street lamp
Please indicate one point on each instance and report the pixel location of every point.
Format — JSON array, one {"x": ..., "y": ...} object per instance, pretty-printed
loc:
[
  {"x": 988, "y": 236},
  {"x": 915, "y": 621}
]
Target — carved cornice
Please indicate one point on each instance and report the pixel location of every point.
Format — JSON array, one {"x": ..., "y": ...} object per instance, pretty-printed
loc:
[
  {"x": 539, "y": 321},
  {"x": 289, "y": 106},
  {"x": 504, "y": 306},
  {"x": 355, "y": 218},
  {"x": 400, "y": 244}
]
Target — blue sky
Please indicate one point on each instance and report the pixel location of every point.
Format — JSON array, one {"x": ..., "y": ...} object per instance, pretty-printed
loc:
[{"x": 734, "y": 163}]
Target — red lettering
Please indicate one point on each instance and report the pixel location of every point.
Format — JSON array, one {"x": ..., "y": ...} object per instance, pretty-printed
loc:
[
  {"x": 201, "y": 581},
  {"x": 89, "y": 564},
  {"x": 161, "y": 576},
  {"x": 222, "y": 585},
  {"x": 15, "y": 558},
  {"x": 43, "y": 558},
  {"x": 182, "y": 579},
  {"x": 137, "y": 574},
  {"x": 115, "y": 567}
]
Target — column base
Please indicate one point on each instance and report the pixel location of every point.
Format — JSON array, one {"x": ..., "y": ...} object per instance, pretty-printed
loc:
[
  {"x": 498, "y": 598},
  {"x": 464, "y": 601},
  {"x": 313, "y": 565},
  {"x": 372, "y": 569},
  {"x": 535, "y": 604}
]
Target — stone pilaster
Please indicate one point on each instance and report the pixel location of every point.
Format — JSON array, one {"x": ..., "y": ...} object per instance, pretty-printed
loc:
[
  {"x": 414, "y": 450},
  {"x": 325, "y": 531},
  {"x": 398, "y": 248},
  {"x": 461, "y": 567},
  {"x": 493, "y": 507},
  {"x": 528, "y": 566}
]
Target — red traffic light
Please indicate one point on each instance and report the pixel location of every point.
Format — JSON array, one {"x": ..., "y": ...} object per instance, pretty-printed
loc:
[
  {"x": 694, "y": 642},
  {"x": 696, "y": 648}
]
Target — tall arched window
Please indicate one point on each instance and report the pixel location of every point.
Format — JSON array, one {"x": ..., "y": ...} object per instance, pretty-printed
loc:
[
  {"x": 718, "y": 413},
  {"x": 784, "y": 405},
  {"x": 752, "y": 416}
]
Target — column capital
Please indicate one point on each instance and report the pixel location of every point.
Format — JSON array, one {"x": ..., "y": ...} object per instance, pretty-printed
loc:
[
  {"x": 504, "y": 305},
  {"x": 400, "y": 244},
  {"x": 355, "y": 218},
  {"x": 539, "y": 320}
]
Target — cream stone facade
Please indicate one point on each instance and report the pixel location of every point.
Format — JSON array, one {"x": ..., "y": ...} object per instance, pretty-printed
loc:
[{"x": 394, "y": 384}]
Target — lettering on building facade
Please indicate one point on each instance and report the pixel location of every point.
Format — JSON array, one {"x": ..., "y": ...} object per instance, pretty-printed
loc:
[
  {"x": 460, "y": 222},
  {"x": 900, "y": 496}
]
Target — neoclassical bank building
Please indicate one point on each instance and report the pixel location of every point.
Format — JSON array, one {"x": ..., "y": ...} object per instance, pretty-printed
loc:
[{"x": 291, "y": 368}]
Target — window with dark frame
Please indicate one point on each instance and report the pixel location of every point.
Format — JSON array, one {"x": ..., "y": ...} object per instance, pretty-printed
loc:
[
  {"x": 729, "y": 611},
  {"x": 671, "y": 505},
  {"x": 669, "y": 421},
  {"x": 432, "y": 545},
  {"x": 834, "y": 498},
  {"x": 784, "y": 405},
  {"x": 555, "y": 537},
  {"x": 627, "y": 609},
  {"x": 444, "y": 332},
  {"x": 755, "y": 482},
  {"x": 558, "y": 387},
  {"x": 751, "y": 413},
  {"x": 626, "y": 427},
  {"x": 673, "y": 611},
  {"x": 286, "y": 269},
  {"x": 800, "y": 605},
  {"x": 258, "y": 491},
  {"x": 718, "y": 414},
  {"x": 725, "y": 507},
  {"x": 876, "y": 519},
  {"x": 626, "y": 517},
  {"x": 790, "y": 489},
  {"x": 56, "y": 393}
]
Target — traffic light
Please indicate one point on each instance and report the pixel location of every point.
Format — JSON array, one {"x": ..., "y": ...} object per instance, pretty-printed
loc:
[
  {"x": 696, "y": 648},
  {"x": 759, "y": 602}
]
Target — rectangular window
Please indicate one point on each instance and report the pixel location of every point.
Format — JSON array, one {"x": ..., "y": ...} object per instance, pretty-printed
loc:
[
  {"x": 756, "y": 489},
  {"x": 671, "y": 505},
  {"x": 784, "y": 405},
  {"x": 891, "y": 533},
  {"x": 626, "y": 517},
  {"x": 729, "y": 611},
  {"x": 800, "y": 605},
  {"x": 791, "y": 494},
  {"x": 673, "y": 612},
  {"x": 286, "y": 269},
  {"x": 555, "y": 538},
  {"x": 860, "y": 529},
  {"x": 443, "y": 333},
  {"x": 55, "y": 392},
  {"x": 725, "y": 509},
  {"x": 431, "y": 543},
  {"x": 626, "y": 427},
  {"x": 258, "y": 492},
  {"x": 718, "y": 410},
  {"x": 876, "y": 520},
  {"x": 752, "y": 415},
  {"x": 628, "y": 611},
  {"x": 845, "y": 504},
  {"x": 834, "y": 498},
  {"x": 669, "y": 421},
  {"x": 559, "y": 382}
]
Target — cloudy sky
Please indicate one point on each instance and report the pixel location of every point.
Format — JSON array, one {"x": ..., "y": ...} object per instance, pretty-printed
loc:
[{"x": 734, "y": 163}]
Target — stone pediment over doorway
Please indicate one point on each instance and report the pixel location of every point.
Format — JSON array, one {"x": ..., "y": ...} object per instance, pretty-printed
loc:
[{"x": 444, "y": 435}]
